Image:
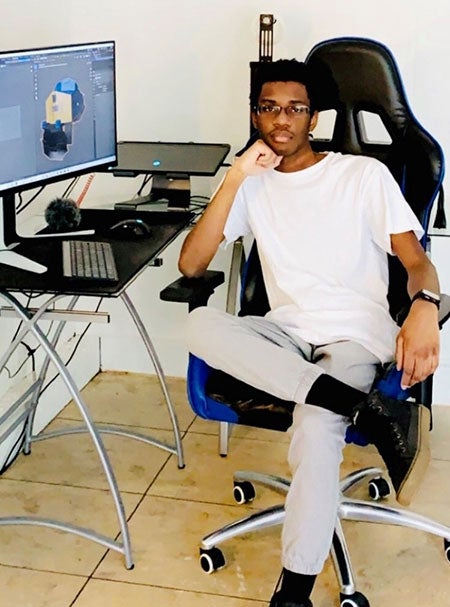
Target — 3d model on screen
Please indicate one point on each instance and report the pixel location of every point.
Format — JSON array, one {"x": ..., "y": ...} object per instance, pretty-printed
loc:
[{"x": 63, "y": 107}]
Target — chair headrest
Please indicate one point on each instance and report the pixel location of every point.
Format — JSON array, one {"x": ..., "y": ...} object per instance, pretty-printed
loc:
[{"x": 361, "y": 75}]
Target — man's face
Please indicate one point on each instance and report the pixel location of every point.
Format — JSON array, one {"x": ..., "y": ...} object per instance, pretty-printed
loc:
[{"x": 287, "y": 135}]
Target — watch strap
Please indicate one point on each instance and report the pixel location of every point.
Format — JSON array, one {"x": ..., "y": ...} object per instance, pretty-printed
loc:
[{"x": 427, "y": 297}]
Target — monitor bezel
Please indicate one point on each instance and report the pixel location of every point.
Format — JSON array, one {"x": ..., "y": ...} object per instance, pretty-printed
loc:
[{"x": 8, "y": 189}]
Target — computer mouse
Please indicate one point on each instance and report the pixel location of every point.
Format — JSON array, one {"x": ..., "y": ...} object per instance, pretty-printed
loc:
[{"x": 131, "y": 229}]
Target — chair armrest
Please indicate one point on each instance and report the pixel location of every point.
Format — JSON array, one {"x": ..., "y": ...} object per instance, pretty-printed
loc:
[{"x": 193, "y": 291}]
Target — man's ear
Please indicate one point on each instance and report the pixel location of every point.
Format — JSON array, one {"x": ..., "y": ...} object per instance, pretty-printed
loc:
[
  {"x": 313, "y": 121},
  {"x": 254, "y": 116}
]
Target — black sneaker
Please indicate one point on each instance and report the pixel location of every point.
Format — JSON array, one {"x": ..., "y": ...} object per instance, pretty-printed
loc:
[
  {"x": 400, "y": 431},
  {"x": 278, "y": 601}
]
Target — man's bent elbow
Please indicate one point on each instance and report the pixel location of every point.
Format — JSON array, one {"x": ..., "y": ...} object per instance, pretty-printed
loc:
[{"x": 190, "y": 270}]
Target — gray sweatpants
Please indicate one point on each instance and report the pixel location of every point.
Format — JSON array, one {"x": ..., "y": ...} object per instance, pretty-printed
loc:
[{"x": 263, "y": 354}]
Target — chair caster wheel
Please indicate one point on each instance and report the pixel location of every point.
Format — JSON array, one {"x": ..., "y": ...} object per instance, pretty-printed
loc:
[
  {"x": 354, "y": 600},
  {"x": 447, "y": 549},
  {"x": 379, "y": 488},
  {"x": 243, "y": 492},
  {"x": 211, "y": 560}
]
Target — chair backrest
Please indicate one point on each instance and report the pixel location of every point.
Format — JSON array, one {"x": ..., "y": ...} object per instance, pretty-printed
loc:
[{"x": 357, "y": 77}]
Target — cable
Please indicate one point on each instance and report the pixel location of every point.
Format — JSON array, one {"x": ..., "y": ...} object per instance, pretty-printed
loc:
[
  {"x": 30, "y": 296},
  {"x": 85, "y": 189},
  {"x": 144, "y": 183},
  {"x": 22, "y": 206},
  {"x": 70, "y": 187},
  {"x": 30, "y": 354},
  {"x": 14, "y": 451},
  {"x": 17, "y": 446},
  {"x": 82, "y": 334}
]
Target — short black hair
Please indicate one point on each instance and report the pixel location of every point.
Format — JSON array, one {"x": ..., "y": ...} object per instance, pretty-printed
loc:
[{"x": 283, "y": 70}]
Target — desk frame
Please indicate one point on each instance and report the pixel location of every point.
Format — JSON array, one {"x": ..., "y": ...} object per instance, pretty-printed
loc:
[{"x": 31, "y": 325}]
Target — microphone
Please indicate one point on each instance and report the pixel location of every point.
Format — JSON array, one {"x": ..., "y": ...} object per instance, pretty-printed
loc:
[{"x": 62, "y": 215}]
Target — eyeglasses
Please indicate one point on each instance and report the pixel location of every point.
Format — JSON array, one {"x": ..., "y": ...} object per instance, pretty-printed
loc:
[{"x": 293, "y": 111}]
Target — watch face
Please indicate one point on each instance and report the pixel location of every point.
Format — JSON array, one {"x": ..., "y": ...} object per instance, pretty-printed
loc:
[{"x": 430, "y": 294}]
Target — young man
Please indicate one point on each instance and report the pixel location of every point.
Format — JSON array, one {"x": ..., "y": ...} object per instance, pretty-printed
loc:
[{"x": 324, "y": 224}]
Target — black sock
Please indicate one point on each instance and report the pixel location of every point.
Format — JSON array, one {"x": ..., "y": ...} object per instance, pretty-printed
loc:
[
  {"x": 332, "y": 394},
  {"x": 296, "y": 587}
]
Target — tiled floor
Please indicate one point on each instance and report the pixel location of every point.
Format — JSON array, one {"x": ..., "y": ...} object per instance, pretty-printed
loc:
[{"x": 170, "y": 509}]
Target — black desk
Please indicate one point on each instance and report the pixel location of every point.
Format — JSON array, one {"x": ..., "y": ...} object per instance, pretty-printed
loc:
[{"x": 132, "y": 256}]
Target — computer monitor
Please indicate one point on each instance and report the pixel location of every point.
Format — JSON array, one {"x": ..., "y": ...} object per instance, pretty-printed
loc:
[
  {"x": 57, "y": 120},
  {"x": 171, "y": 164}
]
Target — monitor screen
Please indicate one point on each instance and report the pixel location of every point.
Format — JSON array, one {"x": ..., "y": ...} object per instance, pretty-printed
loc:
[{"x": 57, "y": 113}]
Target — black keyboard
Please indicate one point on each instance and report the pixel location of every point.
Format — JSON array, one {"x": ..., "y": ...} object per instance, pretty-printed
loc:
[{"x": 89, "y": 259}]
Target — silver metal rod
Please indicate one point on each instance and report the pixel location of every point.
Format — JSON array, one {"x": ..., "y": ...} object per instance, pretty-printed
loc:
[
  {"x": 66, "y": 315},
  {"x": 258, "y": 520},
  {"x": 237, "y": 257},
  {"x": 114, "y": 430},
  {"x": 268, "y": 480},
  {"x": 359, "y": 510},
  {"x": 357, "y": 477},
  {"x": 25, "y": 328},
  {"x": 159, "y": 372},
  {"x": 341, "y": 561},
  {"x": 60, "y": 526},
  {"x": 15, "y": 424},
  {"x": 95, "y": 436},
  {"x": 235, "y": 274},
  {"x": 224, "y": 436},
  {"x": 17, "y": 403},
  {"x": 43, "y": 372}
]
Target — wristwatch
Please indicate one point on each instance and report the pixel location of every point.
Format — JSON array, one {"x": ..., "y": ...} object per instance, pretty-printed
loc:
[{"x": 427, "y": 295}]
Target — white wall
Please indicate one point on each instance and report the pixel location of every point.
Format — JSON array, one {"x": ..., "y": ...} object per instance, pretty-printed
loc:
[{"x": 182, "y": 74}]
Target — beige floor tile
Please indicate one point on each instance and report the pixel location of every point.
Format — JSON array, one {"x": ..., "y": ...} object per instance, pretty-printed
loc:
[
  {"x": 99, "y": 593},
  {"x": 440, "y": 435},
  {"x": 167, "y": 533},
  {"x": 36, "y": 588},
  {"x": 46, "y": 549},
  {"x": 398, "y": 565},
  {"x": 209, "y": 477},
  {"x": 409, "y": 576},
  {"x": 433, "y": 497},
  {"x": 205, "y": 426},
  {"x": 73, "y": 460},
  {"x": 133, "y": 399}
]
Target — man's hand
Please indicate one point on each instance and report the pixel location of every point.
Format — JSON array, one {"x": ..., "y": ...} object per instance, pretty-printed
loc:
[
  {"x": 417, "y": 351},
  {"x": 256, "y": 160}
]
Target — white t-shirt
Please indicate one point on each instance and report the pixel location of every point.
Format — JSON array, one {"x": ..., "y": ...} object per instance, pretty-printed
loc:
[{"x": 323, "y": 234}]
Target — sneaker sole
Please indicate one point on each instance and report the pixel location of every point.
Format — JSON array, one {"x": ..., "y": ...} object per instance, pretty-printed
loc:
[{"x": 420, "y": 463}]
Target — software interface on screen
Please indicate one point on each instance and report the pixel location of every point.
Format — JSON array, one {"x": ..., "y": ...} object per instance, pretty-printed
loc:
[{"x": 57, "y": 112}]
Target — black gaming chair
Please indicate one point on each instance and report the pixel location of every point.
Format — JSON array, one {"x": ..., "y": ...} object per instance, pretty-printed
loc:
[{"x": 357, "y": 76}]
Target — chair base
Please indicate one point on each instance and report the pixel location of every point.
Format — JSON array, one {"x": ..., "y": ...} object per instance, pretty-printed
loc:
[{"x": 211, "y": 557}]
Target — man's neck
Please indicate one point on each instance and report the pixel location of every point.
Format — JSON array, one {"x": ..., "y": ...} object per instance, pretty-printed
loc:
[{"x": 290, "y": 164}]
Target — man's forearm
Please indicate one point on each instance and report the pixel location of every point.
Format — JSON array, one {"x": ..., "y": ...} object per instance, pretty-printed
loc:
[
  {"x": 423, "y": 276},
  {"x": 203, "y": 240}
]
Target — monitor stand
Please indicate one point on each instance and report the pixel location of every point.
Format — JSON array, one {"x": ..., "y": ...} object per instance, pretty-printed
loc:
[
  {"x": 8, "y": 235},
  {"x": 173, "y": 188}
]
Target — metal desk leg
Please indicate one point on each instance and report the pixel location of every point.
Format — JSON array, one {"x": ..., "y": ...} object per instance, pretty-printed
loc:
[
  {"x": 160, "y": 373},
  {"x": 30, "y": 325},
  {"x": 44, "y": 369}
]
